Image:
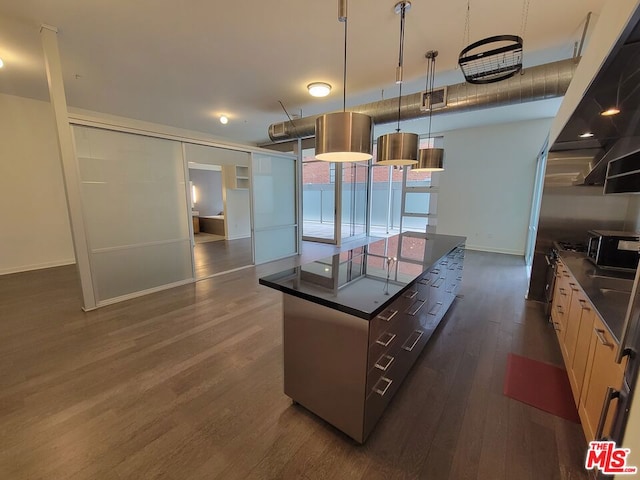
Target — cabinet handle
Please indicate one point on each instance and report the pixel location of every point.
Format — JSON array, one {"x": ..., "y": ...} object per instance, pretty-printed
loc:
[
  {"x": 412, "y": 311},
  {"x": 379, "y": 391},
  {"x": 382, "y": 367},
  {"x": 555, "y": 326},
  {"x": 415, "y": 342},
  {"x": 563, "y": 292},
  {"x": 411, "y": 294},
  {"x": 573, "y": 287},
  {"x": 389, "y": 340},
  {"x": 435, "y": 309},
  {"x": 600, "y": 333},
  {"x": 438, "y": 282},
  {"x": 583, "y": 304},
  {"x": 559, "y": 309},
  {"x": 388, "y": 317},
  {"x": 610, "y": 395}
]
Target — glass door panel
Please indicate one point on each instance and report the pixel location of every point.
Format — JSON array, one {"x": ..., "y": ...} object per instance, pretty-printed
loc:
[{"x": 318, "y": 199}]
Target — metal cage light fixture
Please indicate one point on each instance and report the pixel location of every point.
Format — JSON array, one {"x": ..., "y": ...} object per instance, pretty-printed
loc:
[
  {"x": 430, "y": 159},
  {"x": 344, "y": 136},
  {"x": 398, "y": 148}
]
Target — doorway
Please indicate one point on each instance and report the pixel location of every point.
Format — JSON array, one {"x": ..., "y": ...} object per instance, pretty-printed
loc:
[{"x": 220, "y": 214}]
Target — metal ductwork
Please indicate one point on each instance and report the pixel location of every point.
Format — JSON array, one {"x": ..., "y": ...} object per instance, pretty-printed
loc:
[{"x": 536, "y": 83}]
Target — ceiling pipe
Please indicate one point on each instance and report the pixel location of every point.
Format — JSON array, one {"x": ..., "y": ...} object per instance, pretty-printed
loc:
[{"x": 541, "y": 82}]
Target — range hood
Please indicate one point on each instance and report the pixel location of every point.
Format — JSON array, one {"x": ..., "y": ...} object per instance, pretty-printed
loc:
[
  {"x": 570, "y": 167},
  {"x": 598, "y": 171}
]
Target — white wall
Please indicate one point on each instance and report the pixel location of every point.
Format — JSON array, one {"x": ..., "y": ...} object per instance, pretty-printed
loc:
[
  {"x": 35, "y": 230},
  {"x": 486, "y": 189}
]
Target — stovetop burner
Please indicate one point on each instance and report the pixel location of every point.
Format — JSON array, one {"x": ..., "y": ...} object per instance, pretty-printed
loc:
[{"x": 571, "y": 246}]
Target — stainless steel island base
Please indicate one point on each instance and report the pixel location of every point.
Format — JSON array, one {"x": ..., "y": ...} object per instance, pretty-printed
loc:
[{"x": 345, "y": 368}]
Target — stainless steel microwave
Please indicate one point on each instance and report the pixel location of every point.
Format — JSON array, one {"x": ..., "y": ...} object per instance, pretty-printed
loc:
[{"x": 612, "y": 249}]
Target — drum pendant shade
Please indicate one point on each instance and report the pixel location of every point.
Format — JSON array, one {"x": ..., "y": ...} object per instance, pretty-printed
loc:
[
  {"x": 397, "y": 149},
  {"x": 343, "y": 137},
  {"x": 430, "y": 160}
]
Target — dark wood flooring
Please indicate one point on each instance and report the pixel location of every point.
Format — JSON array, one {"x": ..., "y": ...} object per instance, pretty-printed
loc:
[
  {"x": 187, "y": 384},
  {"x": 221, "y": 256}
]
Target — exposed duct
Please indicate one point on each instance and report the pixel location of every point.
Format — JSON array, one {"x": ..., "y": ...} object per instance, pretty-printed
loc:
[{"x": 536, "y": 83}]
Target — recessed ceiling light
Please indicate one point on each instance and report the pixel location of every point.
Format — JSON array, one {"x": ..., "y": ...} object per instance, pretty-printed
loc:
[
  {"x": 586, "y": 135},
  {"x": 610, "y": 111},
  {"x": 319, "y": 89},
  {"x": 224, "y": 119},
  {"x": 1, "y": 63}
]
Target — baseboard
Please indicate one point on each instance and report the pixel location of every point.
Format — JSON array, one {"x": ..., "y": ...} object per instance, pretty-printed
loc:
[
  {"x": 505, "y": 251},
  {"x": 37, "y": 266}
]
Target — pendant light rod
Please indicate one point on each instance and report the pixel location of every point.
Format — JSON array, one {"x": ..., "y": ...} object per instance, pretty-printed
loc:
[
  {"x": 431, "y": 75},
  {"x": 342, "y": 17},
  {"x": 401, "y": 8}
]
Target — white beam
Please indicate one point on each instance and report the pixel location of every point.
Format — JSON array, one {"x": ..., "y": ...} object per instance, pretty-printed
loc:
[{"x": 49, "y": 36}]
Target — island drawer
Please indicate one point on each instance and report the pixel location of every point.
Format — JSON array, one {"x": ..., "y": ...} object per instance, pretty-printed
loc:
[{"x": 382, "y": 342}]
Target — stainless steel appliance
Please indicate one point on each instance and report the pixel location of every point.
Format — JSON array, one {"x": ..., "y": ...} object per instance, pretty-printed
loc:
[{"x": 614, "y": 249}]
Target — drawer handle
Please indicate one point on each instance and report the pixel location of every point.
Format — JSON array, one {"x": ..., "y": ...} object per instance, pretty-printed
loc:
[
  {"x": 382, "y": 367},
  {"x": 560, "y": 311},
  {"x": 411, "y": 294},
  {"x": 388, "y": 317},
  {"x": 390, "y": 338},
  {"x": 379, "y": 391},
  {"x": 600, "y": 333},
  {"x": 423, "y": 281},
  {"x": 555, "y": 326},
  {"x": 573, "y": 287},
  {"x": 436, "y": 308},
  {"x": 412, "y": 311},
  {"x": 583, "y": 304},
  {"x": 563, "y": 292},
  {"x": 438, "y": 282},
  {"x": 459, "y": 279},
  {"x": 610, "y": 395},
  {"x": 415, "y": 342}
]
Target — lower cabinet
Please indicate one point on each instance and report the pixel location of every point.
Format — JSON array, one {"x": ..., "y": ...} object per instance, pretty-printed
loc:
[
  {"x": 601, "y": 374},
  {"x": 346, "y": 369},
  {"x": 588, "y": 350}
]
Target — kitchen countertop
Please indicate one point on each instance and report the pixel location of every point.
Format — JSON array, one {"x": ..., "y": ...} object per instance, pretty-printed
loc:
[
  {"x": 355, "y": 281},
  {"x": 610, "y": 304}
]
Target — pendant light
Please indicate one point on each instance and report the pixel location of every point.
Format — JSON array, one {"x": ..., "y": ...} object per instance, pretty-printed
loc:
[
  {"x": 430, "y": 159},
  {"x": 398, "y": 148},
  {"x": 343, "y": 136}
]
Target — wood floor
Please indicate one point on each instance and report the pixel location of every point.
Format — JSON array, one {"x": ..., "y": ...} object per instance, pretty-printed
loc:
[
  {"x": 187, "y": 384},
  {"x": 222, "y": 256}
]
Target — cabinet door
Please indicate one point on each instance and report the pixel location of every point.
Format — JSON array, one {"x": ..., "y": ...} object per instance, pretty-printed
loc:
[
  {"x": 602, "y": 372},
  {"x": 578, "y": 305},
  {"x": 578, "y": 366}
]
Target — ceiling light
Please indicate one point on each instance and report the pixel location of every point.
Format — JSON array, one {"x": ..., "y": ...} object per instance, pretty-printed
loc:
[
  {"x": 319, "y": 89},
  {"x": 398, "y": 148},
  {"x": 610, "y": 111},
  {"x": 1, "y": 63},
  {"x": 430, "y": 159},
  {"x": 224, "y": 119},
  {"x": 586, "y": 135},
  {"x": 343, "y": 136}
]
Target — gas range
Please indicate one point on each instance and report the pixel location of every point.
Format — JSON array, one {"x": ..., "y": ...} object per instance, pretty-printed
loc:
[{"x": 570, "y": 246}]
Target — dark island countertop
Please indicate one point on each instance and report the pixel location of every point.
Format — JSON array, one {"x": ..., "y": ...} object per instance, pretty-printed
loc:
[
  {"x": 364, "y": 280},
  {"x": 608, "y": 290}
]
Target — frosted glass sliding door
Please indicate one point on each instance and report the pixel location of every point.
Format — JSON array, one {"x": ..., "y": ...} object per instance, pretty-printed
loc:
[
  {"x": 274, "y": 206},
  {"x": 135, "y": 210}
]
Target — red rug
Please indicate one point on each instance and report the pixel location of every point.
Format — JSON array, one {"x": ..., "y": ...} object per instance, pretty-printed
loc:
[{"x": 540, "y": 385}]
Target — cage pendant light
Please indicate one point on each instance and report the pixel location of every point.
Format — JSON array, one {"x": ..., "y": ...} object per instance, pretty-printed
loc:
[
  {"x": 430, "y": 159},
  {"x": 398, "y": 148},
  {"x": 344, "y": 136}
]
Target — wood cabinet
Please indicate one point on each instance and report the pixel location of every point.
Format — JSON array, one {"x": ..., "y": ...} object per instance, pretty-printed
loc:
[
  {"x": 602, "y": 372},
  {"x": 588, "y": 350},
  {"x": 236, "y": 177}
]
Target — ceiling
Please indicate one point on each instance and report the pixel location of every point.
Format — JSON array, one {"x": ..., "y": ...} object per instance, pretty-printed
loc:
[{"x": 161, "y": 62}]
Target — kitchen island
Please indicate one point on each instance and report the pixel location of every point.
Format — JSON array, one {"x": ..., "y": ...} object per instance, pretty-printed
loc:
[{"x": 355, "y": 323}]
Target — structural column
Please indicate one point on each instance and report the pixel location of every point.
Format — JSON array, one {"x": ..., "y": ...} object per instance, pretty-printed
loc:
[{"x": 49, "y": 36}]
